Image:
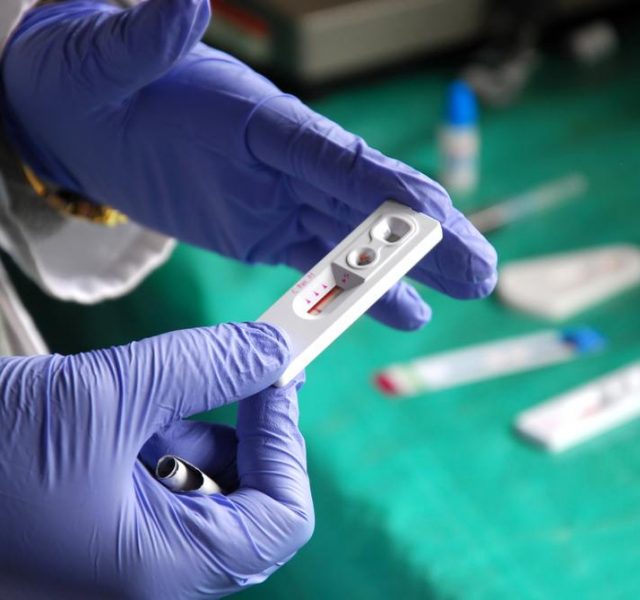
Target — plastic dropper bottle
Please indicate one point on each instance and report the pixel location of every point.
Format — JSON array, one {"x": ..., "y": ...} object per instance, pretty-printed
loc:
[{"x": 459, "y": 140}]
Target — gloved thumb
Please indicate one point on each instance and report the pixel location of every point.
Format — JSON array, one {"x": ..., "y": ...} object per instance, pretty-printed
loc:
[
  {"x": 137, "y": 46},
  {"x": 121, "y": 51},
  {"x": 160, "y": 380}
]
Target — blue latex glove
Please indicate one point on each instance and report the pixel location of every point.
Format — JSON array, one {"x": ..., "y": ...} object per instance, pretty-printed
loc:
[
  {"x": 81, "y": 516},
  {"x": 127, "y": 108}
]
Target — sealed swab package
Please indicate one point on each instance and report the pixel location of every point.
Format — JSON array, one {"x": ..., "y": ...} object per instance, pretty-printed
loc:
[{"x": 488, "y": 360}]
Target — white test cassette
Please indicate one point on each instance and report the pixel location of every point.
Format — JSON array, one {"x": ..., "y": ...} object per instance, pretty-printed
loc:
[{"x": 350, "y": 279}]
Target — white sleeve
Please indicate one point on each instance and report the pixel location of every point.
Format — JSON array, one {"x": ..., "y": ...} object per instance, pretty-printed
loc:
[
  {"x": 69, "y": 258},
  {"x": 10, "y": 13}
]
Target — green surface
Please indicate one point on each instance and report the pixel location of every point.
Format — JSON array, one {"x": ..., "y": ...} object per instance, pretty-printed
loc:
[{"x": 435, "y": 496}]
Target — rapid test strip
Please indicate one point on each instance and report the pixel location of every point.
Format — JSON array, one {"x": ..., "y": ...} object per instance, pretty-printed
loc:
[
  {"x": 487, "y": 361},
  {"x": 584, "y": 412},
  {"x": 350, "y": 279}
]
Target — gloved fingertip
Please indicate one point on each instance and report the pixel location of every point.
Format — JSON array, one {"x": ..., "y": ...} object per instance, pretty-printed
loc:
[
  {"x": 420, "y": 313},
  {"x": 483, "y": 260},
  {"x": 299, "y": 380},
  {"x": 402, "y": 308},
  {"x": 421, "y": 317},
  {"x": 295, "y": 384},
  {"x": 464, "y": 256},
  {"x": 482, "y": 289}
]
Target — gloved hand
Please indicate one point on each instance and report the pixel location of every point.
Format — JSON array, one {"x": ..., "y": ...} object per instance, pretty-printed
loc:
[
  {"x": 127, "y": 108},
  {"x": 83, "y": 518}
]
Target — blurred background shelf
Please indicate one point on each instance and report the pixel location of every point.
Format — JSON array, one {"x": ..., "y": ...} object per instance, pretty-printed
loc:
[{"x": 315, "y": 41}]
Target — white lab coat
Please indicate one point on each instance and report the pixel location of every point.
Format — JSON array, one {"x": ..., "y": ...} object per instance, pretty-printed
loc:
[
  {"x": 10, "y": 13},
  {"x": 69, "y": 258}
]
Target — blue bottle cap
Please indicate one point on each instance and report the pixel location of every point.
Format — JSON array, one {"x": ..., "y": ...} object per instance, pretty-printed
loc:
[
  {"x": 585, "y": 339},
  {"x": 461, "y": 107}
]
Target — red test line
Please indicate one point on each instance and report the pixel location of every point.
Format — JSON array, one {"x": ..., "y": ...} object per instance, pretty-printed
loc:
[{"x": 317, "y": 308}]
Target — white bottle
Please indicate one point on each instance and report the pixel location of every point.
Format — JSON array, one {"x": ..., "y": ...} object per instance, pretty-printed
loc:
[{"x": 459, "y": 140}]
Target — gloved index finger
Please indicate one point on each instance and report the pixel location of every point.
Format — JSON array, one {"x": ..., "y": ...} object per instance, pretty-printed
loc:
[
  {"x": 291, "y": 138},
  {"x": 274, "y": 486},
  {"x": 253, "y": 530},
  {"x": 288, "y": 136},
  {"x": 271, "y": 449}
]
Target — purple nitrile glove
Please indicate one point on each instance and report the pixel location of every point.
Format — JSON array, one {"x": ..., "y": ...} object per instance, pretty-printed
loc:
[
  {"x": 129, "y": 109},
  {"x": 81, "y": 516}
]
